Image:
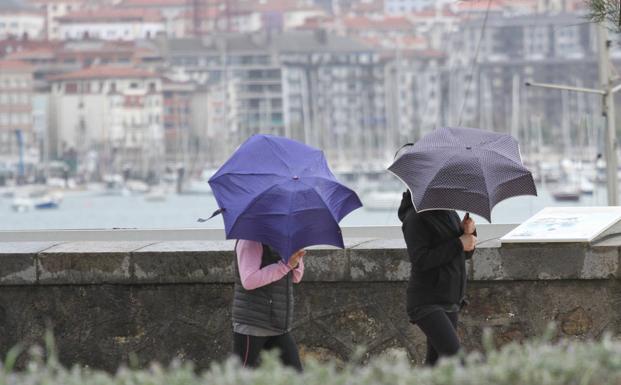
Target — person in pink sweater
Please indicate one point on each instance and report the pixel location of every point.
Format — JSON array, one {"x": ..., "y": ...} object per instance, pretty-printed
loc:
[{"x": 263, "y": 303}]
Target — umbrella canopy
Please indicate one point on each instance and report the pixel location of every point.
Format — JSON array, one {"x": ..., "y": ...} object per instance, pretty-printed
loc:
[
  {"x": 281, "y": 192},
  {"x": 463, "y": 169}
]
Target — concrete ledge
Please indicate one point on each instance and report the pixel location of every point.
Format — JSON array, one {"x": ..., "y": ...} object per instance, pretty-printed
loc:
[
  {"x": 543, "y": 261},
  {"x": 86, "y": 263},
  {"x": 18, "y": 264},
  {"x": 363, "y": 260},
  {"x": 185, "y": 261}
]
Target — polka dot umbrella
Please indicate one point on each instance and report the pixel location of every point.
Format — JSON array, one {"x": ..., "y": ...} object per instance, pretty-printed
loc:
[{"x": 464, "y": 169}]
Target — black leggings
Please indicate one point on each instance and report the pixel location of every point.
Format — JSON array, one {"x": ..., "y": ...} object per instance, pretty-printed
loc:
[
  {"x": 248, "y": 348},
  {"x": 441, "y": 331}
]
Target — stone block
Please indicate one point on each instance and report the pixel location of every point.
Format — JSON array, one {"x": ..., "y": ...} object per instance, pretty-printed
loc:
[
  {"x": 184, "y": 262},
  {"x": 86, "y": 263},
  {"x": 379, "y": 260},
  {"x": 323, "y": 264},
  {"x": 18, "y": 262},
  {"x": 545, "y": 261}
]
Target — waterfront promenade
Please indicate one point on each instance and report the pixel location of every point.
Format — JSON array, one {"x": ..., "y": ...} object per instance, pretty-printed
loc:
[{"x": 166, "y": 294}]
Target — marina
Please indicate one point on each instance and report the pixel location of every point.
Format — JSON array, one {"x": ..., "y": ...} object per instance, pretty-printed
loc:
[{"x": 118, "y": 206}]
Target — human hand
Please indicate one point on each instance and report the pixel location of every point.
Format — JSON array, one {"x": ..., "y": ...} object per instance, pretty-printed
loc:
[
  {"x": 468, "y": 225},
  {"x": 295, "y": 258},
  {"x": 468, "y": 241}
]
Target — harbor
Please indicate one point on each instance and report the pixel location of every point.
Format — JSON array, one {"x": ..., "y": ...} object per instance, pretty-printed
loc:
[{"x": 137, "y": 205}]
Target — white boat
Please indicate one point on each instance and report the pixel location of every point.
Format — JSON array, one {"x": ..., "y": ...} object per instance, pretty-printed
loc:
[
  {"x": 7, "y": 192},
  {"x": 115, "y": 185},
  {"x": 137, "y": 187},
  {"x": 567, "y": 194},
  {"x": 156, "y": 194},
  {"x": 586, "y": 187},
  {"x": 36, "y": 199}
]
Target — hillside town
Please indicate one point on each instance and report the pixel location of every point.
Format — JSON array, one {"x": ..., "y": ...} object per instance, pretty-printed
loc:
[{"x": 93, "y": 88}]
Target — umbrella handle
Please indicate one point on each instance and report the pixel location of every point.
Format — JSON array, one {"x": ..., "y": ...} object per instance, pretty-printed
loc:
[{"x": 217, "y": 212}]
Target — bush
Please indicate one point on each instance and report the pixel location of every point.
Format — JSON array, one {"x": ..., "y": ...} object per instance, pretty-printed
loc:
[{"x": 536, "y": 362}]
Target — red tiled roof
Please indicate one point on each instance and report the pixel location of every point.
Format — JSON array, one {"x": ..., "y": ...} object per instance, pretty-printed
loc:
[
  {"x": 403, "y": 43},
  {"x": 315, "y": 22},
  {"x": 386, "y": 23},
  {"x": 279, "y": 6},
  {"x": 106, "y": 72},
  {"x": 54, "y": 1},
  {"x": 15, "y": 66},
  {"x": 155, "y": 3},
  {"x": 410, "y": 40},
  {"x": 479, "y": 5},
  {"x": 34, "y": 53},
  {"x": 111, "y": 15}
]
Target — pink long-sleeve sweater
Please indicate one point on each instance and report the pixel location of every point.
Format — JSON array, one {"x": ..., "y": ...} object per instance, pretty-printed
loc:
[{"x": 252, "y": 276}]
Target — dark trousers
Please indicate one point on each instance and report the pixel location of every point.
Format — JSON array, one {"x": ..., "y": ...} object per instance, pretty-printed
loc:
[
  {"x": 440, "y": 328},
  {"x": 248, "y": 349}
]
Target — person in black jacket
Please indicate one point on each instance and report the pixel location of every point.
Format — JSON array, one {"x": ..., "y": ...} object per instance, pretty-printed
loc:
[{"x": 438, "y": 244}]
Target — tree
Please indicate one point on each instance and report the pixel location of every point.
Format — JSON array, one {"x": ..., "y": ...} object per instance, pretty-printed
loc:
[{"x": 605, "y": 11}]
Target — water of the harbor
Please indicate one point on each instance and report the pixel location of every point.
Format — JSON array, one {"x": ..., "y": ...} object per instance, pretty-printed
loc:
[{"x": 94, "y": 210}]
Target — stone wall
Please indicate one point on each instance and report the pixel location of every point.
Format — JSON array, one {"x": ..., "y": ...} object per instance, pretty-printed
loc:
[{"x": 161, "y": 300}]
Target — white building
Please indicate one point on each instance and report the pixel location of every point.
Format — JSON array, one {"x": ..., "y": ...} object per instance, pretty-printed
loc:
[
  {"x": 172, "y": 12},
  {"x": 116, "y": 110},
  {"x": 112, "y": 24},
  {"x": 414, "y": 92},
  {"x": 407, "y": 6},
  {"x": 297, "y": 17},
  {"x": 20, "y": 21},
  {"x": 16, "y": 90},
  {"x": 52, "y": 10}
]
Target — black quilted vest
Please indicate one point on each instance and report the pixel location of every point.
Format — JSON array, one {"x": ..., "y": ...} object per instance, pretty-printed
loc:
[{"x": 269, "y": 307}]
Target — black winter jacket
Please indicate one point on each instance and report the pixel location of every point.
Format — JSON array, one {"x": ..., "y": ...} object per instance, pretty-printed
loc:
[{"x": 438, "y": 270}]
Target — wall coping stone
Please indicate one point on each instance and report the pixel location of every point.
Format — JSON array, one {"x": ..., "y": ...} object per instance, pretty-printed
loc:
[{"x": 362, "y": 260}]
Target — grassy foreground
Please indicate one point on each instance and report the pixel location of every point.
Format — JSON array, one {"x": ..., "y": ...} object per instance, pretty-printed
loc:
[{"x": 537, "y": 362}]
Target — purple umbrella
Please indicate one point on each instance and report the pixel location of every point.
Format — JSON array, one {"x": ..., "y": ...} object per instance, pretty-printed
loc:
[
  {"x": 281, "y": 192},
  {"x": 463, "y": 169}
]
